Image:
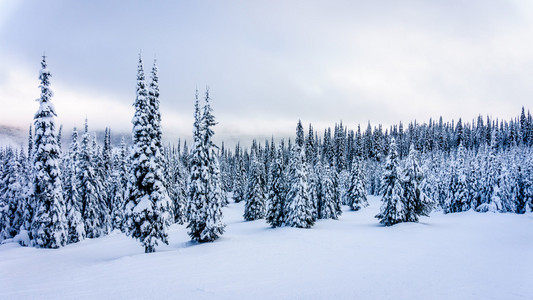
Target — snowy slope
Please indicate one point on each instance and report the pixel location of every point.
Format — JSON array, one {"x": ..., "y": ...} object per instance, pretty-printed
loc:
[{"x": 456, "y": 256}]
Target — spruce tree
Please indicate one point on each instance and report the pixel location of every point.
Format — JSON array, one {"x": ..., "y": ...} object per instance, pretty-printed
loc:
[
  {"x": 458, "y": 198},
  {"x": 276, "y": 191},
  {"x": 416, "y": 203},
  {"x": 393, "y": 209},
  {"x": 148, "y": 206},
  {"x": 255, "y": 205},
  {"x": 76, "y": 226},
  {"x": 11, "y": 192},
  {"x": 49, "y": 225},
  {"x": 327, "y": 208},
  {"x": 357, "y": 191},
  {"x": 299, "y": 206},
  {"x": 240, "y": 181},
  {"x": 205, "y": 192},
  {"x": 119, "y": 184},
  {"x": 89, "y": 189}
]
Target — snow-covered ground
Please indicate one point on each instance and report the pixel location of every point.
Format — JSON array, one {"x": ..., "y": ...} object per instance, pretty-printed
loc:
[{"x": 456, "y": 256}]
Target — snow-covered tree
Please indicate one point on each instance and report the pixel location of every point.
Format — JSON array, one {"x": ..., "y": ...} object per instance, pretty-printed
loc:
[
  {"x": 392, "y": 209},
  {"x": 178, "y": 191},
  {"x": 11, "y": 192},
  {"x": 327, "y": 208},
  {"x": 356, "y": 193},
  {"x": 458, "y": 192},
  {"x": 240, "y": 181},
  {"x": 76, "y": 226},
  {"x": 255, "y": 206},
  {"x": 205, "y": 192},
  {"x": 148, "y": 206},
  {"x": 276, "y": 191},
  {"x": 490, "y": 174},
  {"x": 90, "y": 189},
  {"x": 49, "y": 225},
  {"x": 416, "y": 203},
  {"x": 299, "y": 206}
]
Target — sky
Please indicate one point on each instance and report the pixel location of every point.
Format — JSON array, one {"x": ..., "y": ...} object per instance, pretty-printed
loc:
[{"x": 269, "y": 63}]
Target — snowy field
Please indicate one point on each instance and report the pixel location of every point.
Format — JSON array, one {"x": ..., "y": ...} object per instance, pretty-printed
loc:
[{"x": 456, "y": 256}]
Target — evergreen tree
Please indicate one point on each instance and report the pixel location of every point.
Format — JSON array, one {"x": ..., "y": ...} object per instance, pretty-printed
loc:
[
  {"x": 76, "y": 226},
  {"x": 357, "y": 190},
  {"x": 489, "y": 180},
  {"x": 178, "y": 192},
  {"x": 393, "y": 209},
  {"x": 458, "y": 198},
  {"x": 276, "y": 191},
  {"x": 148, "y": 206},
  {"x": 299, "y": 206},
  {"x": 327, "y": 207},
  {"x": 255, "y": 206},
  {"x": 416, "y": 203},
  {"x": 11, "y": 192},
  {"x": 49, "y": 225},
  {"x": 240, "y": 181},
  {"x": 89, "y": 189},
  {"x": 205, "y": 199},
  {"x": 119, "y": 183}
]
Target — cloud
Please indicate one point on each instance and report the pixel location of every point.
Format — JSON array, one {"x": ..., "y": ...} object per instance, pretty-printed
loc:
[{"x": 269, "y": 64}]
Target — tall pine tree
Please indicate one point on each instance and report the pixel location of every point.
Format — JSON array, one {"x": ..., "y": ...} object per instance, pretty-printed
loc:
[{"x": 49, "y": 225}]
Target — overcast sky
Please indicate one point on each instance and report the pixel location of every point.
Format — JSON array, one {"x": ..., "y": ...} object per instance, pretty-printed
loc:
[{"x": 269, "y": 63}]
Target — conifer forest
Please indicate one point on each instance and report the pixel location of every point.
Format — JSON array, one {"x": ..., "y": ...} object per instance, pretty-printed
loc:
[{"x": 62, "y": 190}]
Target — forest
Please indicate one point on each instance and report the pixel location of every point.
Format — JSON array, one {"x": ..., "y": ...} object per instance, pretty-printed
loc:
[{"x": 59, "y": 191}]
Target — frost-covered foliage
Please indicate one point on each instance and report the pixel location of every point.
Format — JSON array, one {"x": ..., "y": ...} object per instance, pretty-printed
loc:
[
  {"x": 299, "y": 204},
  {"x": 90, "y": 190},
  {"x": 327, "y": 208},
  {"x": 71, "y": 187},
  {"x": 147, "y": 210},
  {"x": 205, "y": 189},
  {"x": 416, "y": 203},
  {"x": 393, "y": 209},
  {"x": 49, "y": 225},
  {"x": 240, "y": 179},
  {"x": 255, "y": 206},
  {"x": 276, "y": 191},
  {"x": 356, "y": 194}
]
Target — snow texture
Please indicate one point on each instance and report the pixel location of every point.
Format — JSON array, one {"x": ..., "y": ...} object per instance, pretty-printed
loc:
[{"x": 454, "y": 256}]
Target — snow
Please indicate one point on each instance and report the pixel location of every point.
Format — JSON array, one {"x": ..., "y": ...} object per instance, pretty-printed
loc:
[{"x": 465, "y": 255}]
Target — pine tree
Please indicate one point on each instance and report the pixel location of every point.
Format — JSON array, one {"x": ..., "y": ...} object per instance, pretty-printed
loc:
[
  {"x": 458, "y": 198},
  {"x": 416, "y": 203},
  {"x": 393, "y": 209},
  {"x": 299, "y": 206},
  {"x": 255, "y": 206},
  {"x": 327, "y": 207},
  {"x": 148, "y": 206},
  {"x": 89, "y": 189},
  {"x": 489, "y": 180},
  {"x": 205, "y": 192},
  {"x": 119, "y": 184},
  {"x": 11, "y": 192},
  {"x": 48, "y": 228},
  {"x": 179, "y": 192},
  {"x": 357, "y": 191},
  {"x": 76, "y": 226},
  {"x": 240, "y": 181},
  {"x": 276, "y": 191}
]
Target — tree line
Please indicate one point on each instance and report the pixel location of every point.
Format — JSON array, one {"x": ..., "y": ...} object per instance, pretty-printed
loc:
[{"x": 50, "y": 197}]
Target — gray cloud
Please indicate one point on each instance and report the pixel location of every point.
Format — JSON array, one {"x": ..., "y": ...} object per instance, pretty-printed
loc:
[{"x": 270, "y": 63}]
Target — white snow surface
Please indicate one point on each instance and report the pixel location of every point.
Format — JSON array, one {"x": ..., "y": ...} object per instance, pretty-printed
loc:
[{"x": 466, "y": 255}]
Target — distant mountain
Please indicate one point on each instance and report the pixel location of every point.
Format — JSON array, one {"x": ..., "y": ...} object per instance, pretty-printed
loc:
[
  {"x": 12, "y": 136},
  {"x": 17, "y": 137}
]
